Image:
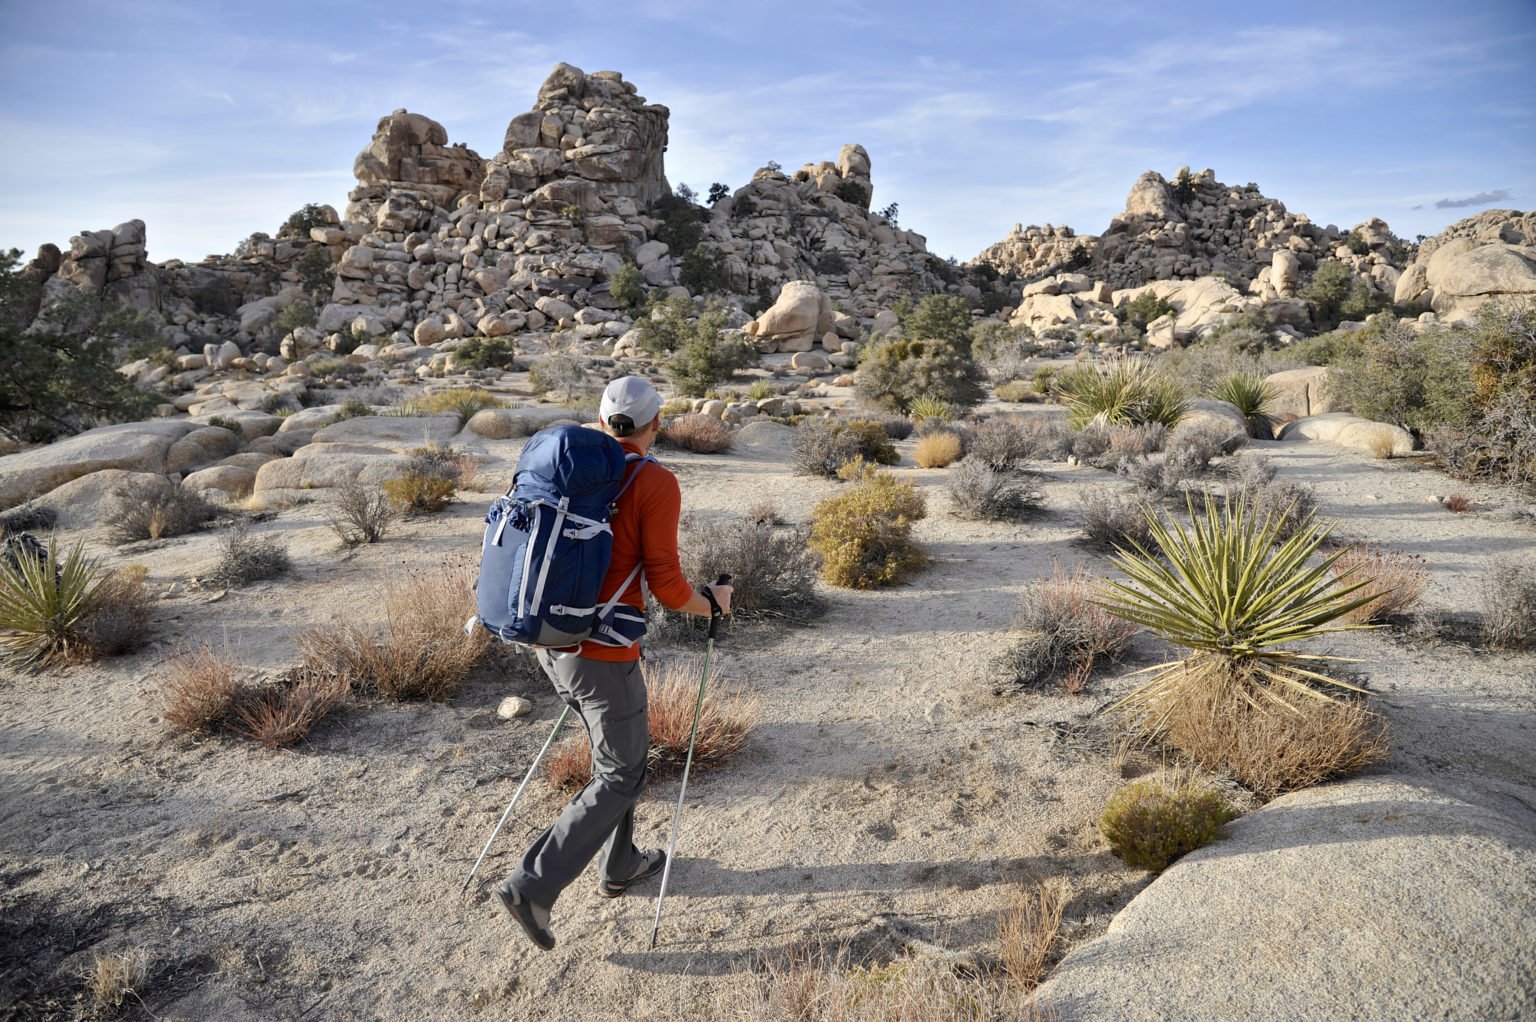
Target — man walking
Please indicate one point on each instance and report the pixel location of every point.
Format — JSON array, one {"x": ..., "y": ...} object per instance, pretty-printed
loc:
[{"x": 603, "y": 683}]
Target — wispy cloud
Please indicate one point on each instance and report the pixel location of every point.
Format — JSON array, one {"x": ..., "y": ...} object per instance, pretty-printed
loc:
[{"x": 1480, "y": 199}]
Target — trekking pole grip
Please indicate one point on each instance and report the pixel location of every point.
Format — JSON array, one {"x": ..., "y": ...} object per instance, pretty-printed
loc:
[{"x": 714, "y": 607}]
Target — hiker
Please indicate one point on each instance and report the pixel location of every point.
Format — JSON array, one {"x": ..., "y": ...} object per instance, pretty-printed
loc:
[{"x": 603, "y": 683}]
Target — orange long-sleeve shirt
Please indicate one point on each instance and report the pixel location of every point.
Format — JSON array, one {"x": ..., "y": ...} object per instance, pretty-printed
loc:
[{"x": 644, "y": 524}]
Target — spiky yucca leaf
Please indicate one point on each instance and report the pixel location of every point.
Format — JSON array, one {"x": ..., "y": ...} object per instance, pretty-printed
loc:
[
  {"x": 1250, "y": 393},
  {"x": 45, "y": 605},
  {"x": 1234, "y": 596},
  {"x": 1123, "y": 392}
]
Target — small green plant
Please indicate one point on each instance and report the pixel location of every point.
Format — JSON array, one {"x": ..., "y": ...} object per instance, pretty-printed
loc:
[
  {"x": 700, "y": 270},
  {"x": 233, "y": 425},
  {"x": 296, "y": 314},
  {"x": 926, "y": 409},
  {"x": 299, "y": 222},
  {"x": 463, "y": 402},
  {"x": 485, "y": 353},
  {"x": 896, "y": 373},
  {"x": 57, "y": 610},
  {"x": 762, "y": 390},
  {"x": 863, "y": 535},
  {"x": 1251, "y": 394},
  {"x": 1125, "y": 392},
  {"x": 627, "y": 286},
  {"x": 1149, "y": 825},
  {"x": 1144, "y": 309},
  {"x": 352, "y": 408}
]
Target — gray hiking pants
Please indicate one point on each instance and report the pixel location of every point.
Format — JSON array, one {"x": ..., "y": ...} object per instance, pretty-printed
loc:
[{"x": 611, "y": 700}]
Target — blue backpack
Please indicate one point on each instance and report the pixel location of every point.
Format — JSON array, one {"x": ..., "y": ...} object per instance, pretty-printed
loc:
[{"x": 548, "y": 542}]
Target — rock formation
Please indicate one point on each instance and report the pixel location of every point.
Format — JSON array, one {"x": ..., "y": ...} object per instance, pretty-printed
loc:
[
  {"x": 410, "y": 153},
  {"x": 1485, "y": 256}
]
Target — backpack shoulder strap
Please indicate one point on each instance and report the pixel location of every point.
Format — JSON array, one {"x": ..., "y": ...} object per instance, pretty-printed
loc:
[{"x": 639, "y": 463}]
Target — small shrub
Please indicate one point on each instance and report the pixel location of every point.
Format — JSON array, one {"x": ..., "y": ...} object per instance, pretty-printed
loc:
[
  {"x": 1273, "y": 750},
  {"x": 421, "y": 651},
  {"x": 115, "y": 976},
  {"x": 1290, "y": 505},
  {"x": 894, "y": 373},
  {"x": 897, "y": 427},
  {"x": 362, "y": 515},
  {"x": 702, "y": 434},
  {"x": 1508, "y": 596},
  {"x": 1205, "y": 444},
  {"x": 244, "y": 559},
  {"x": 1458, "y": 503},
  {"x": 1251, "y": 394},
  {"x": 1382, "y": 447},
  {"x": 463, "y": 402},
  {"x": 822, "y": 446},
  {"x": 46, "y": 607},
  {"x": 1029, "y": 933},
  {"x": 980, "y": 491},
  {"x": 1160, "y": 477},
  {"x": 772, "y": 572},
  {"x": 1143, "y": 309},
  {"x": 198, "y": 691},
  {"x": 280, "y": 715},
  {"x": 485, "y": 353},
  {"x": 1117, "y": 520},
  {"x": 121, "y": 618},
  {"x": 1000, "y": 443},
  {"x": 565, "y": 373},
  {"x": 726, "y": 719},
  {"x": 156, "y": 509},
  {"x": 627, "y": 286},
  {"x": 1123, "y": 392},
  {"x": 220, "y": 422},
  {"x": 1149, "y": 825},
  {"x": 1137, "y": 441},
  {"x": 937, "y": 450},
  {"x": 1016, "y": 391},
  {"x": 427, "y": 485},
  {"x": 1394, "y": 580},
  {"x": 863, "y": 535},
  {"x": 926, "y": 409},
  {"x": 762, "y": 390},
  {"x": 1066, "y": 633}
]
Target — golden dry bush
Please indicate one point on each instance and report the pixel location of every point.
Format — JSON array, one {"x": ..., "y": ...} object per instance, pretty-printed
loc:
[
  {"x": 115, "y": 976},
  {"x": 420, "y": 652},
  {"x": 1029, "y": 932},
  {"x": 1395, "y": 579},
  {"x": 1271, "y": 749},
  {"x": 284, "y": 713},
  {"x": 702, "y": 434},
  {"x": 937, "y": 450},
  {"x": 199, "y": 689},
  {"x": 725, "y": 723},
  {"x": 863, "y": 535},
  {"x": 1148, "y": 824}
]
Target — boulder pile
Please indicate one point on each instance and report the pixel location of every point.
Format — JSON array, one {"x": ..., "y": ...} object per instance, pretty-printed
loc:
[{"x": 1490, "y": 255}]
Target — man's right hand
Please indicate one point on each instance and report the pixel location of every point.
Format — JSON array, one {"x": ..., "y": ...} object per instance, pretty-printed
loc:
[{"x": 722, "y": 595}]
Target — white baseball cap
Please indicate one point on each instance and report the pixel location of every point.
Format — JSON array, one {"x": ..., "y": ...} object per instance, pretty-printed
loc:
[{"x": 632, "y": 397}]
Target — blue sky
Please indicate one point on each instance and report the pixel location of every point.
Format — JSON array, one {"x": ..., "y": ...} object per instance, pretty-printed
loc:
[{"x": 210, "y": 120}]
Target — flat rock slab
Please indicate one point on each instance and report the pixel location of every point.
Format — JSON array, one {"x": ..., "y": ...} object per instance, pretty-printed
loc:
[
  {"x": 402, "y": 434},
  {"x": 89, "y": 501},
  {"x": 1375, "y": 899},
  {"x": 326, "y": 466},
  {"x": 133, "y": 446},
  {"x": 1350, "y": 431}
]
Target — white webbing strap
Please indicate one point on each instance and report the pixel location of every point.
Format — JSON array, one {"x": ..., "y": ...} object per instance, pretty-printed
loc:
[
  {"x": 549, "y": 555},
  {"x": 608, "y": 607}
]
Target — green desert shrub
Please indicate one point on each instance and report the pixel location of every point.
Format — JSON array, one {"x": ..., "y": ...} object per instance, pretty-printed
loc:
[
  {"x": 485, "y": 353},
  {"x": 627, "y": 286},
  {"x": 700, "y": 352},
  {"x": 1238, "y": 598},
  {"x": 1143, "y": 309},
  {"x": 1251, "y": 394},
  {"x": 895, "y": 374},
  {"x": 461, "y": 401},
  {"x": 863, "y": 535},
  {"x": 1496, "y": 438},
  {"x": 822, "y": 446},
  {"x": 60, "y": 608},
  {"x": 1417, "y": 380},
  {"x": 1124, "y": 392},
  {"x": 944, "y": 318},
  {"x": 1148, "y": 825}
]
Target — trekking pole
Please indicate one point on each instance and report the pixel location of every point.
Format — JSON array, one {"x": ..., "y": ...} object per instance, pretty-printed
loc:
[
  {"x": 698, "y": 706},
  {"x": 547, "y": 743}
]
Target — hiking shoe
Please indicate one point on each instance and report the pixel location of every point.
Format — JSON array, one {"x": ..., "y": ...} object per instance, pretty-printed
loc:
[
  {"x": 534, "y": 919},
  {"x": 651, "y": 863}
]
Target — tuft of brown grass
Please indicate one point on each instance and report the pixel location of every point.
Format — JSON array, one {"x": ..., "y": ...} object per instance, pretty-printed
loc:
[
  {"x": 1508, "y": 597},
  {"x": 1395, "y": 579},
  {"x": 702, "y": 434},
  {"x": 421, "y": 651},
  {"x": 1066, "y": 633},
  {"x": 1381, "y": 447},
  {"x": 1272, "y": 749},
  {"x": 199, "y": 690},
  {"x": 115, "y": 976},
  {"x": 725, "y": 722},
  {"x": 155, "y": 509},
  {"x": 1459, "y": 503},
  {"x": 282, "y": 714},
  {"x": 121, "y": 619},
  {"x": 937, "y": 450},
  {"x": 1029, "y": 932},
  {"x": 420, "y": 492}
]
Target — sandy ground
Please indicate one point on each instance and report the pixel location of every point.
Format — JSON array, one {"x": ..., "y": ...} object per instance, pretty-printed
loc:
[{"x": 887, "y": 794}]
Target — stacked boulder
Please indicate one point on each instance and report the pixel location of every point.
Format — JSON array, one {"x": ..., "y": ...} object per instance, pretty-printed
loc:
[
  {"x": 1490, "y": 255},
  {"x": 409, "y": 157},
  {"x": 111, "y": 262}
]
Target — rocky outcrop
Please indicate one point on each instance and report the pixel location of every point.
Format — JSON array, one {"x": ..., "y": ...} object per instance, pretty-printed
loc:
[
  {"x": 410, "y": 155},
  {"x": 1372, "y": 900},
  {"x": 134, "y": 446},
  {"x": 1490, "y": 255},
  {"x": 112, "y": 262}
]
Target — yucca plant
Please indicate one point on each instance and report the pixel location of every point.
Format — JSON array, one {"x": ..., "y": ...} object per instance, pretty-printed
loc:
[
  {"x": 1123, "y": 392},
  {"x": 1250, "y": 393},
  {"x": 924, "y": 408},
  {"x": 1229, "y": 591},
  {"x": 46, "y": 605}
]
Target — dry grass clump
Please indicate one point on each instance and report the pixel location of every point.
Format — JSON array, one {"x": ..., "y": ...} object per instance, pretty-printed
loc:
[
  {"x": 431, "y": 479},
  {"x": 1018, "y": 391},
  {"x": 1137, "y": 441},
  {"x": 701, "y": 434},
  {"x": 772, "y": 571},
  {"x": 1029, "y": 933},
  {"x": 822, "y": 446},
  {"x": 199, "y": 689},
  {"x": 362, "y": 515},
  {"x": 57, "y": 610},
  {"x": 28, "y": 517},
  {"x": 863, "y": 535},
  {"x": 1508, "y": 596},
  {"x": 980, "y": 491},
  {"x": 1395, "y": 579},
  {"x": 1458, "y": 503},
  {"x": 1271, "y": 749},
  {"x": 244, "y": 559},
  {"x": 1066, "y": 633},
  {"x": 726, "y": 720},
  {"x": 463, "y": 402},
  {"x": 280, "y": 715},
  {"x": 1117, "y": 519},
  {"x": 1381, "y": 447},
  {"x": 1148, "y": 824},
  {"x": 114, "y": 977},
  {"x": 155, "y": 509},
  {"x": 421, "y": 651},
  {"x": 937, "y": 450}
]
